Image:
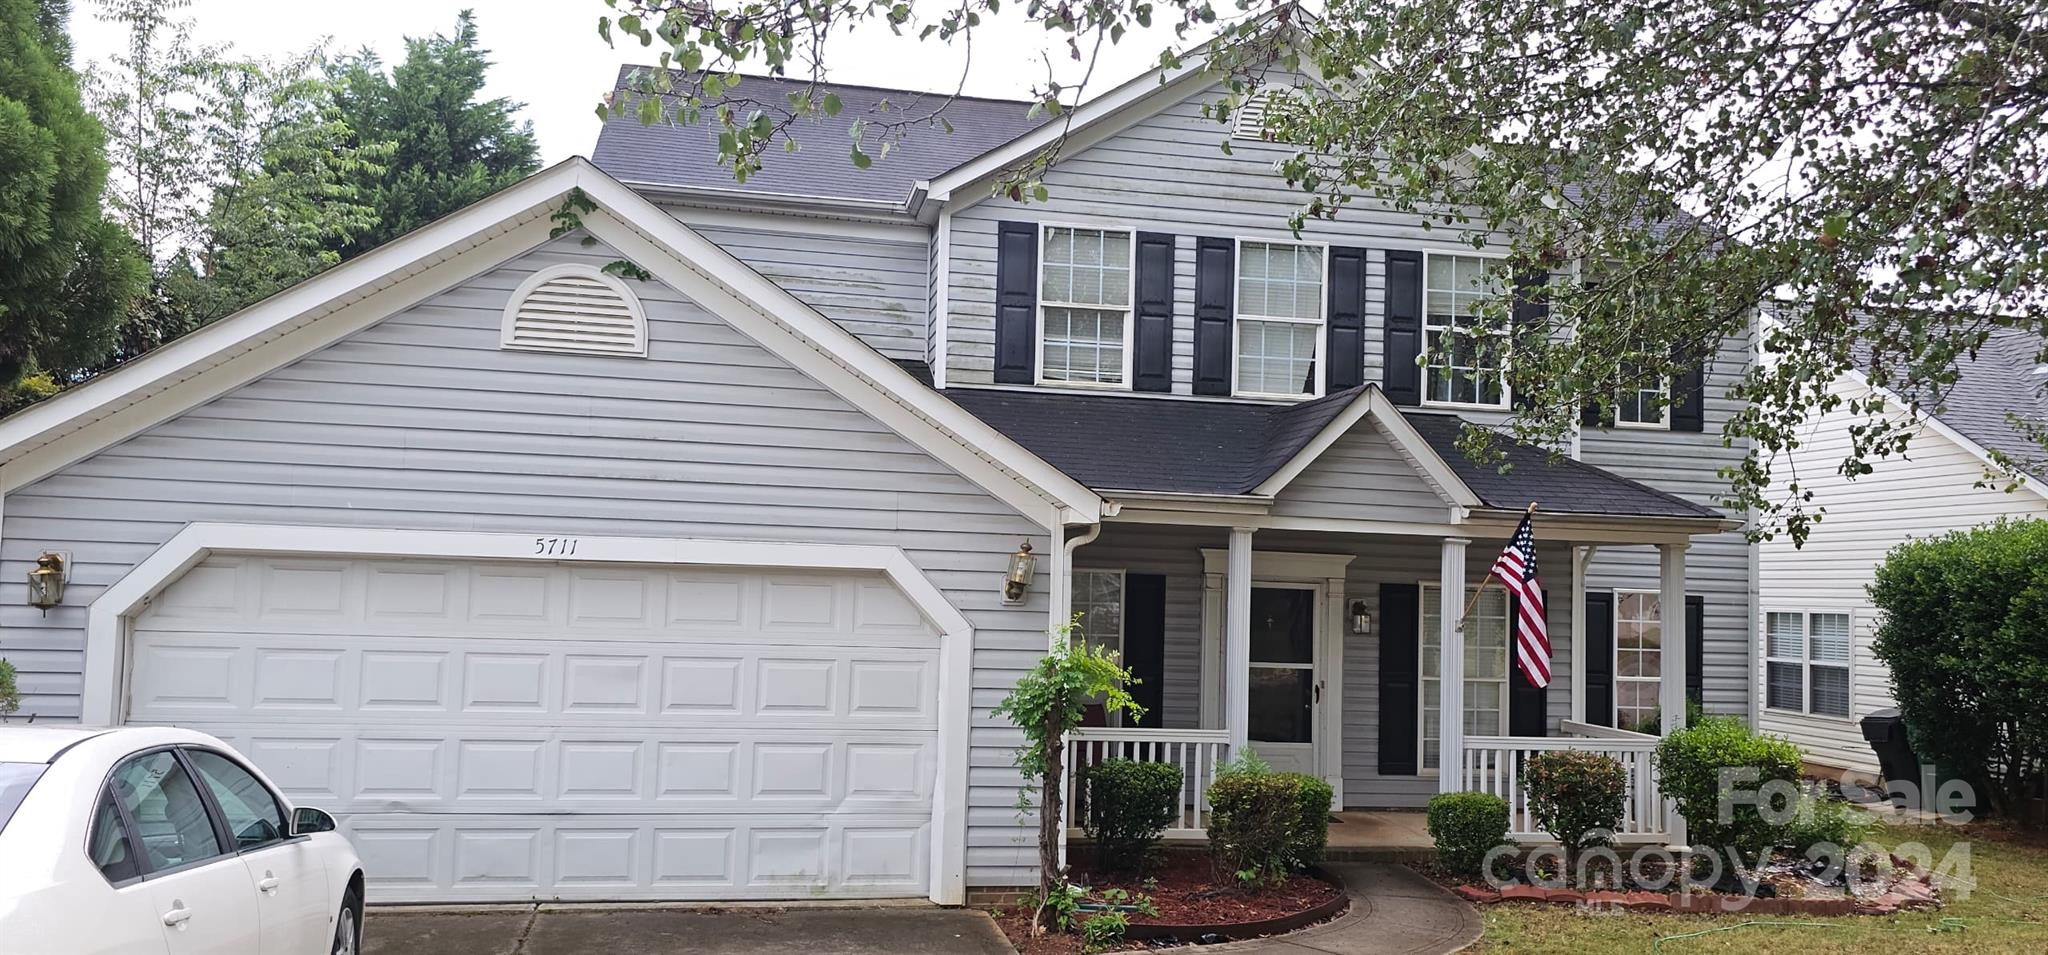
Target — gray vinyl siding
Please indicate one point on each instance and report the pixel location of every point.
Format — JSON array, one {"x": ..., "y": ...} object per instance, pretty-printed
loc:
[
  {"x": 1930, "y": 492},
  {"x": 1361, "y": 477},
  {"x": 878, "y": 289},
  {"x": 1176, "y": 553},
  {"x": 1168, "y": 173},
  {"x": 1717, "y": 567},
  {"x": 422, "y": 421}
]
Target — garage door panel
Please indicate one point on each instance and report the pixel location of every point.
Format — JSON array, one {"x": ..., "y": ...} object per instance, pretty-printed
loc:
[
  {"x": 469, "y": 858},
  {"x": 498, "y": 731},
  {"x": 404, "y": 679}
]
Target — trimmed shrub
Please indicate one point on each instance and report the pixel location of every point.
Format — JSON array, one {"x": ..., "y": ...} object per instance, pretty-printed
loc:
[
  {"x": 1691, "y": 764},
  {"x": 1466, "y": 826},
  {"x": 1962, "y": 633},
  {"x": 1264, "y": 825},
  {"x": 1129, "y": 805},
  {"x": 1576, "y": 796},
  {"x": 1822, "y": 820}
]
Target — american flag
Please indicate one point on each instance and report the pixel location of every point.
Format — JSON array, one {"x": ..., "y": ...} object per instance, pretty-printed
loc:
[{"x": 1516, "y": 569}]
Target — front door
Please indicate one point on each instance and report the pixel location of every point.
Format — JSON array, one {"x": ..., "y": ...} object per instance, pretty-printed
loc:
[{"x": 1286, "y": 682}]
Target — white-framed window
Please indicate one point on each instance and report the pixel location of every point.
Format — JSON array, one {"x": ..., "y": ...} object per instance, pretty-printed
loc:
[
  {"x": 1638, "y": 659},
  {"x": 1084, "y": 306},
  {"x": 1099, "y": 599},
  {"x": 1808, "y": 662},
  {"x": 1486, "y": 669},
  {"x": 1278, "y": 329},
  {"x": 1458, "y": 369},
  {"x": 1644, "y": 404}
]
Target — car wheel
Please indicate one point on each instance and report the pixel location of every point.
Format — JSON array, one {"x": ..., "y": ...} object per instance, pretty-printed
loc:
[{"x": 348, "y": 926}]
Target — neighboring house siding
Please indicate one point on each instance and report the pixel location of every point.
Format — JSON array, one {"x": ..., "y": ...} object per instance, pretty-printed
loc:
[
  {"x": 1168, "y": 173},
  {"x": 1717, "y": 567},
  {"x": 422, "y": 421},
  {"x": 1927, "y": 493},
  {"x": 875, "y": 287}
]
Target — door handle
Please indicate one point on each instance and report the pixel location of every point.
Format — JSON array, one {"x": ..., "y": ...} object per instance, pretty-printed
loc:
[
  {"x": 267, "y": 885},
  {"x": 1319, "y": 691},
  {"x": 177, "y": 915}
]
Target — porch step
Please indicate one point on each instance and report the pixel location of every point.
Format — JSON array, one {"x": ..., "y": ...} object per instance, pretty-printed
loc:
[{"x": 1394, "y": 854}]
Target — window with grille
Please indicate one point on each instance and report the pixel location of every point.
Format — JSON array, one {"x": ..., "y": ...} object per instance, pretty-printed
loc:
[
  {"x": 1460, "y": 368},
  {"x": 1486, "y": 669},
  {"x": 1643, "y": 404},
  {"x": 1809, "y": 663},
  {"x": 1084, "y": 300},
  {"x": 1638, "y": 660},
  {"x": 1279, "y": 322},
  {"x": 575, "y": 308},
  {"x": 1099, "y": 600}
]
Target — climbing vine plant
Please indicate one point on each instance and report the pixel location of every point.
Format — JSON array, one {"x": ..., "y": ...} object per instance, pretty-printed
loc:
[{"x": 1048, "y": 703}]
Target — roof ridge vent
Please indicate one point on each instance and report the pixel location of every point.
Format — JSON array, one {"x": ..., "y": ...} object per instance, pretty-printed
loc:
[{"x": 575, "y": 308}]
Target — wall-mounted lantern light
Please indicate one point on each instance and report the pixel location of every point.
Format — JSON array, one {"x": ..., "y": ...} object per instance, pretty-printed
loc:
[
  {"x": 46, "y": 582},
  {"x": 1018, "y": 580},
  {"x": 1361, "y": 619}
]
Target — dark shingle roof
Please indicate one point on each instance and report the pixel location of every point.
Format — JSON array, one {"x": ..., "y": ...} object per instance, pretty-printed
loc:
[
  {"x": 1561, "y": 485},
  {"x": 1129, "y": 443},
  {"x": 1123, "y": 443},
  {"x": 687, "y": 156},
  {"x": 2003, "y": 381}
]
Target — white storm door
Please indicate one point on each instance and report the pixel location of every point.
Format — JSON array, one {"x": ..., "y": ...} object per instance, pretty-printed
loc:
[{"x": 1286, "y": 677}]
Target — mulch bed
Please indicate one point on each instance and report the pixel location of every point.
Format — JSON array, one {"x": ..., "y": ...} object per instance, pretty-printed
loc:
[
  {"x": 1786, "y": 886},
  {"x": 1186, "y": 889}
]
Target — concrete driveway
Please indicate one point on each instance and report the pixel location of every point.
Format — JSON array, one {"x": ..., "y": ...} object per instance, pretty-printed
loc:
[{"x": 657, "y": 930}]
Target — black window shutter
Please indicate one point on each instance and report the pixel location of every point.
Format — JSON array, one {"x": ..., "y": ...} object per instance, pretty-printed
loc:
[
  {"x": 1404, "y": 326},
  {"x": 1531, "y": 308},
  {"x": 1016, "y": 302},
  {"x": 1688, "y": 405},
  {"x": 1152, "y": 337},
  {"x": 1400, "y": 677},
  {"x": 1599, "y": 661},
  {"x": 1215, "y": 279},
  {"x": 1528, "y": 711},
  {"x": 1145, "y": 642},
  {"x": 1346, "y": 329},
  {"x": 1695, "y": 649}
]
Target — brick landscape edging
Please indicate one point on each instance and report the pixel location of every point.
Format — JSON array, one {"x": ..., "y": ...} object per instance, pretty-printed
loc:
[{"x": 1916, "y": 890}]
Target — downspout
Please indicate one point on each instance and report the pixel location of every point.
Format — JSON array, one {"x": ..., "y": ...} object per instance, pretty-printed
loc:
[{"x": 1063, "y": 589}]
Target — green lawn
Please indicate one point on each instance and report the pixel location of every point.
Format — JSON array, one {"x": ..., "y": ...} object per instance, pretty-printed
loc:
[{"x": 2007, "y": 912}]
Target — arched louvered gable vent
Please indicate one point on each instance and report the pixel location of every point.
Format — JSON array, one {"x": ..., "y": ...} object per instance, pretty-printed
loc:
[{"x": 575, "y": 308}]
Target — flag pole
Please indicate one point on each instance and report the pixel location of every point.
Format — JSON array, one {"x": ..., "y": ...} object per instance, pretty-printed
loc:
[{"x": 1488, "y": 579}]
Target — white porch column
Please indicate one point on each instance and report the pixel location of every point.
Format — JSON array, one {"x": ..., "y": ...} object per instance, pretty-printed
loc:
[
  {"x": 1451, "y": 666},
  {"x": 1671, "y": 687},
  {"x": 1237, "y": 639}
]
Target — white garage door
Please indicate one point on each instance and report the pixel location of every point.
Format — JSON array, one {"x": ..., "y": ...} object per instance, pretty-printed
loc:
[{"x": 509, "y": 730}]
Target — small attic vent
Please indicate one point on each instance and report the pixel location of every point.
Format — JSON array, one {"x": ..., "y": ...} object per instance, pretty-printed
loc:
[
  {"x": 575, "y": 308},
  {"x": 1249, "y": 122}
]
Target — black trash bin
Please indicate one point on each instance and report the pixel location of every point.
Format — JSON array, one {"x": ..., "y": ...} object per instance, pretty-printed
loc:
[{"x": 1885, "y": 731}]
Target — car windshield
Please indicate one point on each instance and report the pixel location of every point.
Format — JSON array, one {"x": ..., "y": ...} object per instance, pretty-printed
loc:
[{"x": 15, "y": 780}]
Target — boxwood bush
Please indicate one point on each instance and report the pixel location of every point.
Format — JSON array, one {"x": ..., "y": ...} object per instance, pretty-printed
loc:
[
  {"x": 1577, "y": 796},
  {"x": 1129, "y": 805},
  {"x": 1690, "y": 765},
  {"x": 1265, "y": 825},
  {"x": 1466, "y": 826}
]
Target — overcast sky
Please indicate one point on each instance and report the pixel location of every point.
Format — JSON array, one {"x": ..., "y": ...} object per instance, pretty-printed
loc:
[{"x": 547, "y": 53}]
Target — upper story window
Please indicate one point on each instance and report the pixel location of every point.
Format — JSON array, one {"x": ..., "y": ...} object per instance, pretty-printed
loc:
[
  {"x": 1084, "y": 305},
  {"x": 1460, "y": 369},
  {"x": 575, "y": 308},
  {"x": 1643, "y": 404},
  {"x": 1279, "y": 324}
]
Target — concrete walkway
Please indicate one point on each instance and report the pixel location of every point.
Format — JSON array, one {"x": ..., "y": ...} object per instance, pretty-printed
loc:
[
  {"x": 661, "y": 930},
  {"x": 1393, "y": 911}
]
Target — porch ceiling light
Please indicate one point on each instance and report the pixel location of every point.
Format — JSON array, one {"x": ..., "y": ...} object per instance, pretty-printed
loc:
[
  {"x": 46, "y": 582},
  {"x": 1018, "y": 580},
  {"x": 1361, "y": 619}
]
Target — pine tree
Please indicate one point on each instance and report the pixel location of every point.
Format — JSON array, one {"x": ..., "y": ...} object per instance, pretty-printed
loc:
[
  {"x": 68, "y": 276},
  {"x": 452, "y": 147}
]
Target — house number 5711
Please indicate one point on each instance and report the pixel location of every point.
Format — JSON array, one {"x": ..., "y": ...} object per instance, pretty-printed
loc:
[{"x": 555, "y": 546}]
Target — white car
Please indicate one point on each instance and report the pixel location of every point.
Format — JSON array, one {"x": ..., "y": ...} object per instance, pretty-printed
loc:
[{"x": 149, "y": 839}]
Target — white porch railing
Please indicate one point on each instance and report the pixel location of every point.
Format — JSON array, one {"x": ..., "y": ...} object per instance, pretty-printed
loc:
[
  {"x": 1493, "y": 764},
  {"x": 1196, "y": 752}
]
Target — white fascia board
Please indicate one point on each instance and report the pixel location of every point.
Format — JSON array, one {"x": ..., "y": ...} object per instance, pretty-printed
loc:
[
  {"x": 1373, "y": 403},
  {"x": 699, "y": 268},
  {"x": 399, "y": 263},
  {"x": 1935, "y": 424}
]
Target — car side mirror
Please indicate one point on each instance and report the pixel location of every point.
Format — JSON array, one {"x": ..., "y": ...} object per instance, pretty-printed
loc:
[{"x": 306, "y": 820}]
